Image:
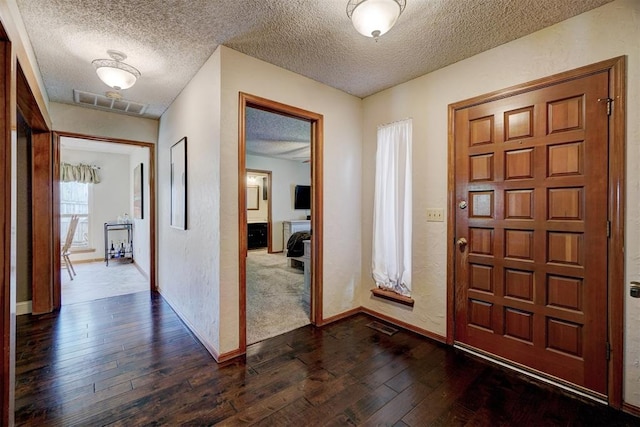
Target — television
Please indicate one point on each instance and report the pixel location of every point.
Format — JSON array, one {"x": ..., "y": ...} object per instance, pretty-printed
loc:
[{"x": 302, "y": 197}]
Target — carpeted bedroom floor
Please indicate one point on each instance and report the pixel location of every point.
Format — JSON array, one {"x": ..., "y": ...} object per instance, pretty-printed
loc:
[{"x": 274, "y": 296}]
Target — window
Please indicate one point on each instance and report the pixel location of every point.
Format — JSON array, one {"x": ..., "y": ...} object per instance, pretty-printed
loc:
[
  {"x": 75, "y": 199},
  {"x": 392, "y": 215}
]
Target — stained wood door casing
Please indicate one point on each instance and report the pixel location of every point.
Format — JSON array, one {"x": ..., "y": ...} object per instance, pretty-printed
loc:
[{"x": 531, "y": 281}]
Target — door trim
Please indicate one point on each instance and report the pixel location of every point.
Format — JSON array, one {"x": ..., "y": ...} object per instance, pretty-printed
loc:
[
  {"x": 317, "y": 125},
  {"x": 7, "y": 292},
  {"x": 616, "y": 68},
  {"x": 57, "y": 276}
]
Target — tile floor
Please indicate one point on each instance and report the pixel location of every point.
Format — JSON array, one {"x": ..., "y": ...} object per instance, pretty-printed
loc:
[{"x": 95, "y": 280}]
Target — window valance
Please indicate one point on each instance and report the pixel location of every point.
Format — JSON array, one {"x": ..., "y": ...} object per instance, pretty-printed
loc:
[{"x": 87, "y": 174}]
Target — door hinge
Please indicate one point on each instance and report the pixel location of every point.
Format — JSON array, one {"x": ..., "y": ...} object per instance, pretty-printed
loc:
[
  {"x": 608, "y": 351},
  {"x": 609, "y": 102},
  {"x": 608, "y": 228}
]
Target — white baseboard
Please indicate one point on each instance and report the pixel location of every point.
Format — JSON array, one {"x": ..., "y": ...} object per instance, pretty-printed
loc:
[{"x": 23, "y": 307}]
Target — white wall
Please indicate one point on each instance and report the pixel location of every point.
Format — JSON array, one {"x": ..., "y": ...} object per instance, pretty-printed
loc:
[
  {"x": 111, "y": 197},
  {"x": 199, "y": 268},
  {"x": 609, "y": 31},
  {"x": 342, "y": 172},
  {"x": 286, "y": 174},
  {"x": 141, "y": 227},
  {"x": 74, "y": 119},
  {"x": 189, "y": 260}
]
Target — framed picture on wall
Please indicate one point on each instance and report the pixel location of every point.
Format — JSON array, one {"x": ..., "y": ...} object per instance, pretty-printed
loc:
[
  {"x": 265, "y": 186},
  {"x": 253, "y": 198},
  {"x": 138, "y": 192},
  {"x": 179, "y": 184}
]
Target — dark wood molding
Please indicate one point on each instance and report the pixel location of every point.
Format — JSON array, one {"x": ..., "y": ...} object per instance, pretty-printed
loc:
[
  {"x": 340, "y": 316},
  {"x": 617, "y": 160},
  {"x": 16, "y": 94},
  {"x": 42, "y": 223},
  {"x": 392, "y": 296},
  {"x": 317, "y": 218},
  {"x": 104, "y": 139},
  {"x": 616, "y": 67},
  {"x": 8, "y": 317},
  {"x": 242, "y": 221},
  {"x": 152, "y": 196},
  {"x": 317, "y": 126},
  {"x": 631, "y": 409},
  {"x": 55, "y": 215},
  {"x": 451, "y": 226},
  {"x": 28, "y": 106},
  {"x": 224, "y": 357}
]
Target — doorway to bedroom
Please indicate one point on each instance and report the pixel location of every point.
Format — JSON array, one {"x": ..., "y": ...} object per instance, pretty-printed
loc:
[
  {"x": 276, "y": 298},
  {"x": 277, "y": 243}
]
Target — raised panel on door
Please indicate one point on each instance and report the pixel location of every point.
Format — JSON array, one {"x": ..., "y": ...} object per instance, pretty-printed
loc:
[{"x": 531, "y": 280}]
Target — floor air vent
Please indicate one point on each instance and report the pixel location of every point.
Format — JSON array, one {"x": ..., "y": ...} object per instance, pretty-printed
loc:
[
  {"x": 381, "y": 327},
  {"x": 102, "y": 102}
]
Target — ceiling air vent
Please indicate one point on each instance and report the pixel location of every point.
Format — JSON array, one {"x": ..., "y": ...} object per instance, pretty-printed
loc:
[{"x": 103, "y": 102}]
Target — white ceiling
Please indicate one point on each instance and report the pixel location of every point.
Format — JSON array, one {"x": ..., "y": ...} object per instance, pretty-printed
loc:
[{"x": 169, "y": 40}]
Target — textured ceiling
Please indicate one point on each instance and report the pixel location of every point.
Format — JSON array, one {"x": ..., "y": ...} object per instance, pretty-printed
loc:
[
  {"x": 169, "y": 40},
  {"x": 274, "y": 135}
]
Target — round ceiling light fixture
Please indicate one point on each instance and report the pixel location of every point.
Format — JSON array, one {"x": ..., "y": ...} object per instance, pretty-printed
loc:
[
  {"x": 115, "y": 73},
  {"x": 373, "y": 18}
]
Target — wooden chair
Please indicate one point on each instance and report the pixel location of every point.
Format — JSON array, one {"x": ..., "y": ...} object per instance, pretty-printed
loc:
[{"x": 66, "y": 247}]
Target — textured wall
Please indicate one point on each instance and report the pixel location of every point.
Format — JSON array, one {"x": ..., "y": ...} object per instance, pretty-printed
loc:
[
  {"x": 70, "y": 118},
  {"x": 609, "y": 31},
  {"x": 342, "y": 186},
  {"x": 189, "y": 260},
  {"x": 285, "y": 175},
  {"x": 141, "y": 231}
]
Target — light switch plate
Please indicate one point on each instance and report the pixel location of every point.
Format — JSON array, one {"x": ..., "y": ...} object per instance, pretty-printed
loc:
[{"x": 435, "y": 215}]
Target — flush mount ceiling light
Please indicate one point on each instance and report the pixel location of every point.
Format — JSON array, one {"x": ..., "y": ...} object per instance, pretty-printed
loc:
[
  {"x": 115, "y": 73},
  {"x": 373, "y": 18}
]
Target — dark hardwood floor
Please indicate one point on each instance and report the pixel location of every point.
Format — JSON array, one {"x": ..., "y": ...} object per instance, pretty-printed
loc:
[{"x": 129, "y": 360}]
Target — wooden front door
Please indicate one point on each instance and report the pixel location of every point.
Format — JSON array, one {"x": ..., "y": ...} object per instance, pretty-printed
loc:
[{"x": 531, "y": 229}]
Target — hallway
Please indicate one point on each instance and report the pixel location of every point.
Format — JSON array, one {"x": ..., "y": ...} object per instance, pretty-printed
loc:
[{"x": 129, "y": 360}]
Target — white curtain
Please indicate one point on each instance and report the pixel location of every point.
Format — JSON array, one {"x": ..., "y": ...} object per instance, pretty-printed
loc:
[
  {"x": 392, "y": 208},
  {"x": 86, "y": 174}
]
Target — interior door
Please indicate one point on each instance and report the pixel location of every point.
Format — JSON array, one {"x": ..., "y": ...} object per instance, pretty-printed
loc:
[{"x": 531, "y": 229}]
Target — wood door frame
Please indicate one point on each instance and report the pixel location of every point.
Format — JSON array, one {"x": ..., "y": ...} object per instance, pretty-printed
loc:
[
  {"x": 16, "y": 94},
  {"x": 44, "y": 255},
  {"x": 7, "y": 320},
  {"x": 57, "y": 277},
  {"x": 269, "y": 228},
  {"x": 317, "y": 131},
  {"x": 616, "y": 68}
]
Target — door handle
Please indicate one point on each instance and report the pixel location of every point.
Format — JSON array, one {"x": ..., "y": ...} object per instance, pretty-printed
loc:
[{"x": 462, "y": 242}]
